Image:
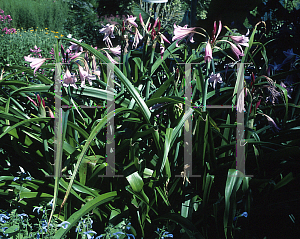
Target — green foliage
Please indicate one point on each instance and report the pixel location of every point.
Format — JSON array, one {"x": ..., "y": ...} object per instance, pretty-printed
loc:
[
  {"x": 17, "y": 45},
  {"x": 150, "y": 122},
  {"x": 36, "y": 13}
]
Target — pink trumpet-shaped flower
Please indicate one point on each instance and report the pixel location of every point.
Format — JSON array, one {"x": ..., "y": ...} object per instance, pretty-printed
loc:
[
  {"x": 85, "y": 75},
  {"x": 116, "y": 50},
  {"x": 272, "y": 123},
  {"x": 137, "y": 38},
  {"x": 108, "y": 30},
  {"x": 130, "y": 20},
  {"x": 75, "y": 47},
  {"x": 215, "y": 30},
  {"x": 141, "y": 20},
  {"x": 241, "y": 40},
  {"x": 208, "y": 53},
  {"x": 182, "y": 32},
  {"x": 214, "y": 79},
  {"x": 69, "y": 79},
  {"x": 162, "y": 48},
  {"x": 36, "y": 63},
  {"x": 237, "y": 50}
]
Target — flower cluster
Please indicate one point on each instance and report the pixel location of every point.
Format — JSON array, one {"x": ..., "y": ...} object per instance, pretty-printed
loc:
[{"x": 5, "y": 21}]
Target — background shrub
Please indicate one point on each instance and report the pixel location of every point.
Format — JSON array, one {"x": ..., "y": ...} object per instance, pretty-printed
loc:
[{"x": 36, "y": 14}]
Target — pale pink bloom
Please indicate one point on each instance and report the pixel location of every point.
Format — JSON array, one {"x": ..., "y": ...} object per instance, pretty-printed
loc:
[
  {"x": 215, "y": 29},
  {"x": 241, "y": 40},
  {"x": 272, "y": 123},
  {"x": 137, "y": 38},
  {"x": 214, "y": 79},
  {"x": 50, "y": 112},
  {"x": 69, "y": 79},
  {"x": 108, "y": 30},
  {"x": 36, "y": 63},
  {"x": 162, "y": 48},
  {"x": 32, "y": 101},
  {"x": 141, "y": 20},
  {"x": 130, "y": 20},
  {"x": 110, "y": 58},
  {"x": 237, "y": 50},
  {"x": 36, "y": 49},
  {"x": 85, "y": 75},
  {"x": 208, "y": 53},
  {"x": 75, "y": 47},
  {"x": 75, "y": 55},
  {"x": 182, "y": 32},
  {"x": 116, "y": 50}
]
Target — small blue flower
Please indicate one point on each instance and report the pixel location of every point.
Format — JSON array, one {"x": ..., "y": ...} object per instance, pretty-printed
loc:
[
  {"x": 98, "y": 237},
  {"x": 22, "y": 215},
  {"x": 64, "y": 224},
  {"x": 51, "y": 202},
  {"x": 166, "y": 234},
  {"x": 88, "y": 234},
  {"x": 116, "y": 234},
  {"x": 38, "y": 209},
  {"x": 28, "y": 178},
  {"x": 128, "y": 226},
  {"x": 15, "y": 178},
  {"x": 244, "y": 214},
  {"x": 37, "y": 236},
  {"x": 2, "y": 217},
  {"x": 130, "y": 235},
  {"x": 44, "y": 225}
]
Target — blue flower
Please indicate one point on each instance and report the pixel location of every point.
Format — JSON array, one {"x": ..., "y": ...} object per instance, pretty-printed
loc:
[
  {"x": 98, "y": 237},
  {"x": 116, "y": 234},
  {"x": 64, "y": 224},
  {"x": 38, "y": 209},
  {"x": 88, "y": 234},
  {"x": 44, "y": 225},
  {"x": 23, "y": 215},
  {"x": 51, "y": 202},
  {"x": 166, "y": 234},
  {"x": 28, "y": 178},
  {"x": 15, "y": 178},
  {"x": 130, "y": 235},
  {"x": 2, "y": 217},
  {"x": 244, "y": 214},
  {"x": 128, "y": 226}
]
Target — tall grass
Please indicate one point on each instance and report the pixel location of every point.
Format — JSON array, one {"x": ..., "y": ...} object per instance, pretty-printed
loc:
[{"x": 36, "y": 13}]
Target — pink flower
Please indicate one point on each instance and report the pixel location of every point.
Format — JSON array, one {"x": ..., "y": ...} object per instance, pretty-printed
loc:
[
  {"x": 130, "y": 20},
  {"x": 116, "y": 50},
  {"x": 69, "y": 79},
  {"x": 141, "y": 20},
  {"x": 110, "y": 58},
  {"x": 237, "y": 50},
  {"x": 75, "y": 47},
  {"x": 36, "y": 49},
  {"x": 137, "y": 38},
  {"x": 215, "y": 31},
  {"x": 182, "y": 32},
  {"x": 208, "y": 53},
  {"x": 241, "y": 40},
  {"x": 85, "y": 75},
  {"x": 36, "y": 63},
  {"x": 108, "y": 31},
  {"x": 162, "y": 48},
  {"x": 214, "y": 79},
  {"x": 272, "y": 123}
]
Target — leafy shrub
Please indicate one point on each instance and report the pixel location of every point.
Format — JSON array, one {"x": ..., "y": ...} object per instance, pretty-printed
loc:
[{"x": 36, "y": 13}]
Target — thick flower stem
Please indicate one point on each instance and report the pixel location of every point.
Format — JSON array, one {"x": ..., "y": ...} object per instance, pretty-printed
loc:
[{"x": 206, "y": 86}]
